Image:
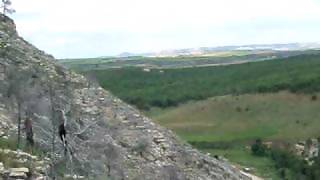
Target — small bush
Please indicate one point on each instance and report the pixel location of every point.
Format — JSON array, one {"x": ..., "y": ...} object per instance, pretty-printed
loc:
[
  {"x": 239, "y": 109},
  {"x": 258, "y": 148},
  {"x": 141, "y": 146},
  {"x": 8, "y": 144}
]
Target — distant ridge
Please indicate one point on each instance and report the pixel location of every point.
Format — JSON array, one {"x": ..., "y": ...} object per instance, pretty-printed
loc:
[{"x": 207, "y": 50}]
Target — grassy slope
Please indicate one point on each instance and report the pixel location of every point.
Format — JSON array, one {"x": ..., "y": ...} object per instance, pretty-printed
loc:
[
  {"x": 239, "y": 120},
  {"x": 246, "y": 117},
  {"x": 263, "y": 166}
]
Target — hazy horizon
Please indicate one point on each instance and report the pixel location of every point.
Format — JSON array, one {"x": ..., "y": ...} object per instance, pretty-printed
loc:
[{"x": 73, "y": 28}]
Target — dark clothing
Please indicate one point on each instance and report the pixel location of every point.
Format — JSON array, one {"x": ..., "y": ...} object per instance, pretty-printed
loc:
[
  {"x": 30, "y": 139},
  {"x": 62, "y": 134},
  {"x": 29, "y": 132}
]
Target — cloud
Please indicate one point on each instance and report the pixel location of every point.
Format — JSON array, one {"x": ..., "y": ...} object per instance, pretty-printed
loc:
[{"x": 113, "y": 26}]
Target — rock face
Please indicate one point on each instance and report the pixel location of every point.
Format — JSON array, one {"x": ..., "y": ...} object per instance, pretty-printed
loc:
[
  {"x": 27, "y": 165},
  {"x": 308, "y": 149},
  {"x": 108, "y": 138}
]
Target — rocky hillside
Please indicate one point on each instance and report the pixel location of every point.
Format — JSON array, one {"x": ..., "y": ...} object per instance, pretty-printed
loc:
[{"x": 107, "y": 139}]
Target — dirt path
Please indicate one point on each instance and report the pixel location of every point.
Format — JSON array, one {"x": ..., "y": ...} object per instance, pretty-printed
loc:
[{"x": 253, "y": 177}]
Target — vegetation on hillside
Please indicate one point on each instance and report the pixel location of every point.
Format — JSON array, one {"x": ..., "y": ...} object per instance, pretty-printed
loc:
[
  {"x": 227, "y": 125},
  {"x": 170, "y": 87},
  {"x": 289, "y": 165}
]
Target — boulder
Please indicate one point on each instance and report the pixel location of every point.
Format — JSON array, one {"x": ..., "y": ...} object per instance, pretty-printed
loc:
[
  {"x": 22, "y": 169},
  {"x": 1, "y": 168},
  {"x": 18, "y": 173}
]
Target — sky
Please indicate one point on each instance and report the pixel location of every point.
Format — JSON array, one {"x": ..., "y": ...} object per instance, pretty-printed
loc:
[{"x": 83, "y": 28}]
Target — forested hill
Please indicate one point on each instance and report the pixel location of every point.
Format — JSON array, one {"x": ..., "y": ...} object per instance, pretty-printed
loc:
[{"x": 170, "y": 87}]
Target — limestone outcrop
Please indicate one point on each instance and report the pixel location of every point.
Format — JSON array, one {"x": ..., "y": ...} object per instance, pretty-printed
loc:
[{"x": 108, "y": 138}]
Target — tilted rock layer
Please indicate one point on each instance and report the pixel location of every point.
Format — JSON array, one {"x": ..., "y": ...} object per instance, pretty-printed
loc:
[{"x": 108, "y": 138}]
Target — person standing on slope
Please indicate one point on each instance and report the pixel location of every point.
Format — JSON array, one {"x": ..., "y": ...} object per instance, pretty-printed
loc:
[
  {"x": 29, "y": 132},
  {"x": 62, "y": 129}
]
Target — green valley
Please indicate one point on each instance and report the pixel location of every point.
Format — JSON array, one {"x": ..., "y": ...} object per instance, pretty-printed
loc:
[{"x": 223, "y": 110}]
